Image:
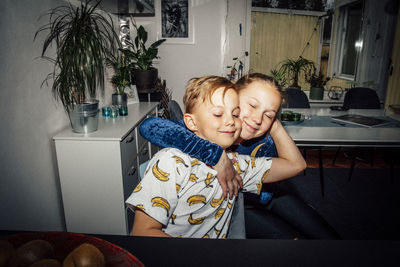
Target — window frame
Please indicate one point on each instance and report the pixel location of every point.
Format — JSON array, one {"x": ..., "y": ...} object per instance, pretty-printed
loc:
[{"x": 341, "y": 30}]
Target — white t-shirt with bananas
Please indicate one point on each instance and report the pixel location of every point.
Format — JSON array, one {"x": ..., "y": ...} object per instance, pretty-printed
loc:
[{"x": 184, "y": 195}]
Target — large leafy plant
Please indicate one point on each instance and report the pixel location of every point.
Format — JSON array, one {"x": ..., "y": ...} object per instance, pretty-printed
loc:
[
  {"x": 140, "y": 56},
  {"x": 84, "y": 37},
  {"x": 294, "y": 68}
]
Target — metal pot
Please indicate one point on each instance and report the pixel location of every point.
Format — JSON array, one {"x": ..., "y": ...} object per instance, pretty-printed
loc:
[{"x": 84, "y": 118}]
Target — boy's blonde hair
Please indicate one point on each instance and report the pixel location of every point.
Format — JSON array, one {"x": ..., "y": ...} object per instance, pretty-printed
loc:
[{"x": 199, "y": 89}]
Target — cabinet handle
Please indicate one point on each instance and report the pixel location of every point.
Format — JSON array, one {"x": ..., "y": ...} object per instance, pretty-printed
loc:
[
  {"x": 145, "y": 151},
  {"x": 129, "y": 139},
  {"x": 132, "y": 172}
]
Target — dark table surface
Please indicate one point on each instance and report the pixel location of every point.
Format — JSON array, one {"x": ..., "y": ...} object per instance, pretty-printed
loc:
[{"x": 152, "y": 251}]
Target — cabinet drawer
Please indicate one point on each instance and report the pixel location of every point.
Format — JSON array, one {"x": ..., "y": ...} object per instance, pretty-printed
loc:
[
  {"x": 130, "y": 179},
  {"x": 128, "y": 150},
  {"x": 144, "y": 153}
]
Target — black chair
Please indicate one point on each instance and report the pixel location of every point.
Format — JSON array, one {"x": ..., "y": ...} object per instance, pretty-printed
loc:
[
  {"x": 359, "y": 98},
  {"x": 175, "y": 111},
  {"x": 296, "y": 98}
]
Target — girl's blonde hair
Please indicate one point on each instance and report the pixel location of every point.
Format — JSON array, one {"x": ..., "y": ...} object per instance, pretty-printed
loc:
[
  {"x": 199, "y": 89},
  {"x": 249, "y": 78}
]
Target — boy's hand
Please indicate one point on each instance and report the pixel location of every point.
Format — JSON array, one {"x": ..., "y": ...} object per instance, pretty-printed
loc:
[{"x": 228, "y": 178}]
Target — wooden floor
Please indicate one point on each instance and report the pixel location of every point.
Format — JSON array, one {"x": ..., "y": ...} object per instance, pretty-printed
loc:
[{"x": 372, "y": 158}]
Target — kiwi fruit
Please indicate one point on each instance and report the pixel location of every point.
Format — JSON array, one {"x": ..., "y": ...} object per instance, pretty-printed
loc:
[
  {"x": 86, "y": 255},
  {"x": 6, "y": 252},
  {"x": 31, "y": 252},
  {"x": 46, "y": 263}
]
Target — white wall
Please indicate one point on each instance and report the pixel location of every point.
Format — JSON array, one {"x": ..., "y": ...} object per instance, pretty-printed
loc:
[
  {"x": 30, "y": 196},
  {"x": 29, "y": 186}
]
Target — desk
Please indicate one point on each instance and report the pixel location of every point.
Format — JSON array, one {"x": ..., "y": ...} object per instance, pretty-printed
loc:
[
  {"x": 343, "y": 136},
  {"x": 152, "y": 251},
  {"x": 339, "y": 135}
]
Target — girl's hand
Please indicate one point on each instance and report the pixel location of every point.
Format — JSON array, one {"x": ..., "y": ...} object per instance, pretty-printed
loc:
[
  {"x": 228, "y": 178},
  {"x": 275, "y": 127}
]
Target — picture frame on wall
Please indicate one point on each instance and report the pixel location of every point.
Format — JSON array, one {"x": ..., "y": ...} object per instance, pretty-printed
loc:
[
  {"x": 134, "y": 8},
  {"x": 175, "y": 21}
]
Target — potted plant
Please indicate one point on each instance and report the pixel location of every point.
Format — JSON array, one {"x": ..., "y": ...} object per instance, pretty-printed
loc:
[
  {"x": 237, "y": 67},
  {"x": 279, "y": 77},
  {"x": 84, "y": 37},
  {"x": 317, "y": 83},
  {"x": 294, "y": 68},
  {"x": 120, "y": 79},
  {"x": 141, "y": 60}
]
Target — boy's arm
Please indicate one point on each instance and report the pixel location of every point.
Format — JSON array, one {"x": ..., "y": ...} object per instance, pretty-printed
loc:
[
  {"x": 290, "y": 161},
  {"x": 168, "y": 133},
  {"x": 144, "y": 225}
]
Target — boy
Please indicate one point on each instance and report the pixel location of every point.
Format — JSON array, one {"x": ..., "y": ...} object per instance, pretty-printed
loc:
[{"x": 180, "y": 196}]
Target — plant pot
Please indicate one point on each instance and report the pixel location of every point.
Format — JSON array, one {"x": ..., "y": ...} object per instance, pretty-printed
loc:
[
  {"x": 119, "y": 100},
  {"x": 316, "y": 93},
  {"x": 84, "y": 118},
  {"x": 145, "y": 80}
]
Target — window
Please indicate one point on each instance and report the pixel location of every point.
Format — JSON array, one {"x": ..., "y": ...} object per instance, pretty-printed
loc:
[{"x": 349, "y": 40}]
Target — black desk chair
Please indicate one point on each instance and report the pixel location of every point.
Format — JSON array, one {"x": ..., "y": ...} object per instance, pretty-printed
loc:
[
  {"x": 296, "y": 98},
  {"x": 359, "y": 98},
  {"x": 175, "y": 111}
]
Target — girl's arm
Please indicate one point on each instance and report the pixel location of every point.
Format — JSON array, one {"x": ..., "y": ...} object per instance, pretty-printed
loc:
[
  {"x": 168, "y": 133},
  {"x": 290, "y": 161}
]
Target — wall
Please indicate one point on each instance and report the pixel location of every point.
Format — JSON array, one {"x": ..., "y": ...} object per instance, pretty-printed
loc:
[
  {"x": 29, "y": 186},
  {"x": 30, "y": 197}
]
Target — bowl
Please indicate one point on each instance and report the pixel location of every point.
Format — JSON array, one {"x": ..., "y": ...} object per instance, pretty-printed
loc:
[{"x": 64, "y": 242}]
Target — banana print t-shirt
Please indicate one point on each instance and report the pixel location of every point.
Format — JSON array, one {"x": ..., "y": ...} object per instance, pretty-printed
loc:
[{"x": 184, "y": 195}]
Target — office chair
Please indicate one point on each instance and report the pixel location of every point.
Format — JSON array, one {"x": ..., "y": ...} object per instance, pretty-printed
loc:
[
  {"x": 296, "y": 98},
  {"x": 175, "y": 110},
  {"x": 358, "y": 98}
]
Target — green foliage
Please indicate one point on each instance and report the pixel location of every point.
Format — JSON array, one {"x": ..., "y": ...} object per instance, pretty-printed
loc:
[
  {"x": 84, "y": 38},
  {"x": 280, "y": 77},
  {"x": 140, "y": 56},
  {"x": 122, "y": 72},
  {"x": 294, "y": 68},
  {"x": 237, "y": 66},
  {"x": 316, "y": 80}
]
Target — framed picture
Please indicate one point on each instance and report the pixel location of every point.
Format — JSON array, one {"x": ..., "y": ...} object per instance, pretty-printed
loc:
[
  {"x": 136, "y": 8},
  {"x": 175, "y": 21}
]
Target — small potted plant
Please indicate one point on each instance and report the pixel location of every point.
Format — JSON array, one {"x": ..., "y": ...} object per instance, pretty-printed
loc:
[
  {"x": 294, "y": 68},
  {"x": 120, "y": 79},
  {"x": 141, "y": 58},
  {"x": 237, "y": 67},
  {"x": 84, "y": 37},
  {"x": 317, "y": 83}
]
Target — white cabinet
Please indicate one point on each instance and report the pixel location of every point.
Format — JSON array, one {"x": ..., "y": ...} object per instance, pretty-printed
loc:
[{"x": 99, "y": 170}]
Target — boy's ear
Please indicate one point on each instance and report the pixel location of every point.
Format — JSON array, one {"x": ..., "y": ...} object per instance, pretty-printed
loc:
[{"x": 190, "y": 122}]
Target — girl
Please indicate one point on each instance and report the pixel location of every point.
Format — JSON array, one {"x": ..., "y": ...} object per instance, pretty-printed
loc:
[{"x": 281, "y": 216}]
